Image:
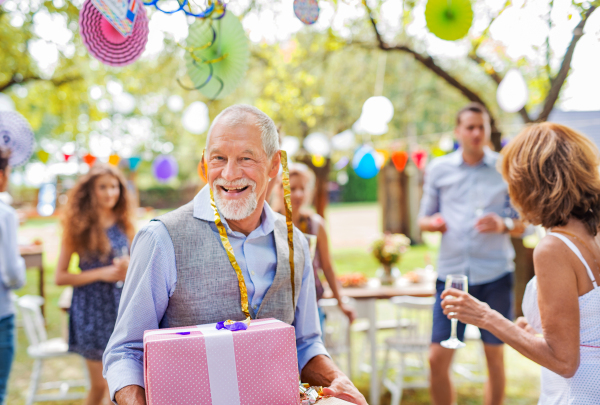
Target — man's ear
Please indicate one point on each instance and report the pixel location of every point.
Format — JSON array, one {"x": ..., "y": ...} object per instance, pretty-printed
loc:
[{"x": 275, "y": 162}]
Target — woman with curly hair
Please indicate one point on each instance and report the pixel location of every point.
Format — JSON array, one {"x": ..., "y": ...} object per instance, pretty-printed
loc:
[
  {"x": 553, "y": 180},
  {"x": 97, "y": 225}
]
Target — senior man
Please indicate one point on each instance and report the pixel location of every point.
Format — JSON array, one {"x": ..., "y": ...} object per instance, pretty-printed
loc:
[{"x": 180, "y": 275}]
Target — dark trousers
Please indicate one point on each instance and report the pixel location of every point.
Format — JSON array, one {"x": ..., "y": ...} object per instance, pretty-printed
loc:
[{"x": 7, "y": 352}]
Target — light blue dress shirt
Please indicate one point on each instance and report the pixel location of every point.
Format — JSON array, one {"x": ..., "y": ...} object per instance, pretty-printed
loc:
[
  {"x": 462, "y": 193},
  {"x": 12, "y": 265},
  {"x": 152, "y": 279}
]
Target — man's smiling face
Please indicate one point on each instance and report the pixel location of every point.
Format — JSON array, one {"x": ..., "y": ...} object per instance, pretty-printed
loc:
[{"x": 238, "y": 168}]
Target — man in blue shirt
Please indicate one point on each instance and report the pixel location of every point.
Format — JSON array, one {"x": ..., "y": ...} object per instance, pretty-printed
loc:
[
  {"x": 180, "y": 275},
  {"x": 466, "y": 199}
]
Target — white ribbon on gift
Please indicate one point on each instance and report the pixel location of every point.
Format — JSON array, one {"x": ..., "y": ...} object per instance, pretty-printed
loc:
[{"x": 220, "y": 356}]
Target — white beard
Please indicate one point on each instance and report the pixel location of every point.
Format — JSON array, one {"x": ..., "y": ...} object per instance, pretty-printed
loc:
[{"x": 235, "y": 209}]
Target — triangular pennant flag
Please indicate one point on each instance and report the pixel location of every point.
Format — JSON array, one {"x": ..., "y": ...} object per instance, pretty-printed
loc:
[
  {"x": 67, "y": 156},
  {"x": 134, "y": 162},
  {"x": 399, "y": 159},
  {"x": 43, "y": 156},
  {"x": 419, "y": 157},
  {"x": 89, "y": 159},
  {"x": 114, "y": 159}
]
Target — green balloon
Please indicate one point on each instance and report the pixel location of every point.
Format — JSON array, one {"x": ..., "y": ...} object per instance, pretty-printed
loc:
[
  {"x": 449, "y": 19},
  {"x": 229, "y": 54}
]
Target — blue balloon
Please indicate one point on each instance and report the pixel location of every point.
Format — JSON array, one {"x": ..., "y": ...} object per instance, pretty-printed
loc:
[{"x": 364, "y": 163}]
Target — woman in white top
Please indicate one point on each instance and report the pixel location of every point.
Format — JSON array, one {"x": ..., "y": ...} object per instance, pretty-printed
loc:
[{"x": 553, "y": 180}]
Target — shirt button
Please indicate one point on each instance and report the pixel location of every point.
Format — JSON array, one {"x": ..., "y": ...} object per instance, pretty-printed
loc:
[{"x": 252, "y": 273}]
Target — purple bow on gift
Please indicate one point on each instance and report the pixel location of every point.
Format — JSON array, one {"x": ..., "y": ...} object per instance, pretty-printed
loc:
[{"x": 232, "y": 325}]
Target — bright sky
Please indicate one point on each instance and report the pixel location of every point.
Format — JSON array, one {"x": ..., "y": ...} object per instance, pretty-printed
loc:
[{"x": 520, "y": 29}]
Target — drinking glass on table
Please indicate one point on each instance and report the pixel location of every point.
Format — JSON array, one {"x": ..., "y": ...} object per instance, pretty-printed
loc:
[
  {"x": 123, "y": 252},
  {"x": 460, "y": 282}
]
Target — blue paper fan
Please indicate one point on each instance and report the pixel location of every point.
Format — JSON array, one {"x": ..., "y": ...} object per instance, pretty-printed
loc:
[{"x": 16, "y": 134}]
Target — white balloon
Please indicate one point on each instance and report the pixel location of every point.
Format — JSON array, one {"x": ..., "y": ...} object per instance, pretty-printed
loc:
[
  {"x": 512, "y": 92},
  {"x": 195, "y": 118},
  {"x": 290, "y": 144},
  {"x": 6, "y": 103},
  {"x": 370, "y": 126},
  {"x": 446, "y": 143},
  {"x": 317, "y": 144},
  {"x": 124, "y": 103},
  {"x": 175, "y": 103},
  {"x": 378, "y": 109},
  {"x": 344, "y": 140}
]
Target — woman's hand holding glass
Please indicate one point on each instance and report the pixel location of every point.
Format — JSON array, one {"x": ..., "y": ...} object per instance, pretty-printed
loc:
[{"x": 461, "y": 305}]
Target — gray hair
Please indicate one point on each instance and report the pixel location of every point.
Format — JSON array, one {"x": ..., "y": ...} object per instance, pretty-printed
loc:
[{"x": 238, "y": 114}]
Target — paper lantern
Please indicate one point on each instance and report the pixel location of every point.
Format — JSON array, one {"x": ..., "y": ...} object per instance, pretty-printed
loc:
[
  {"x": 318, "y": 161},
  {"x": 164, "y": 168},
  {"x": 175, "y": 103},
  {"x": 134, "y": 163},
  {"x": 399, "y": 159},
  {"x": 89, "y": 159},
  {"x": 195, "y": 118},
  {"x": 114, "y": 159},
  {"x": 367, "y": 126},
  {"x": 307, "y": 11},
  {"x": 317, "y": 144},
  {"x": 378, "y": 109},
  {"x": 43, "y": 156},
  {"x": 512, "y": 93},
  {"x": 217, "y": 56},
  {"x": 17, "y": 136},
  {"x": 107, "y": 44},
  {"x": 419, "y": 157},
  {"x": 364, "y": 163},
  {"x": 344, "y": 140},
  {"x": 290, "y": 144},
  {"x": 449, "y": 19},
  {"x": 120, "y": 15}
]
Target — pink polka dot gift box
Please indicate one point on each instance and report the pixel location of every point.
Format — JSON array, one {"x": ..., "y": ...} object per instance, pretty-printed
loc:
[{"x": 203, "y": 365}]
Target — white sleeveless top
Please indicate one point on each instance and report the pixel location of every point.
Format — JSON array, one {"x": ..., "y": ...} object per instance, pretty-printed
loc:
[{"x": 584, "y": 387}]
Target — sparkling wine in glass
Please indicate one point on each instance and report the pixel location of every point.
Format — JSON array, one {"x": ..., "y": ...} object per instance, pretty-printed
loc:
[{"x": 459, "y": 282}]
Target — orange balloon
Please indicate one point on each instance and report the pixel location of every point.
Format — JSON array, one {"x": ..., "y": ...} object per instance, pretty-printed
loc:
[{"x": 399, "y": 159}]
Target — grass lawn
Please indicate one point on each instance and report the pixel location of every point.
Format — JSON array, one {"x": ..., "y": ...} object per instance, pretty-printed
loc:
[{"x": 522, "y": 374}]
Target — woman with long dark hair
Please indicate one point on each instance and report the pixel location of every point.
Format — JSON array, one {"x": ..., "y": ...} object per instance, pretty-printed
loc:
[{"x": 97, "y": 226}]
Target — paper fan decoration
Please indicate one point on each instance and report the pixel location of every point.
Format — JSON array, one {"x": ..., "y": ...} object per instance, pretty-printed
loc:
[
  {"x": 105, "y": 43},
  {"x": 217, "y": 57},
  {"x": 17, "y": 136},
  {"x": 307, "y": 11},
  {"x": 449, "y": 19}
]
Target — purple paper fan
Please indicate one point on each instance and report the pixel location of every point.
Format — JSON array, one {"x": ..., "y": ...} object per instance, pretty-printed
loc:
[
  {"x": 105, "y": 43},
  {"x": 16, "y": 134},
  {"x": 307, "y": 11}
]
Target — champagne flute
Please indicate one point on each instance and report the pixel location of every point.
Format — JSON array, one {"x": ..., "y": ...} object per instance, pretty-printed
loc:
[
  {"x": 124, "y": 251},
  {"x": 459, "y": 282}
]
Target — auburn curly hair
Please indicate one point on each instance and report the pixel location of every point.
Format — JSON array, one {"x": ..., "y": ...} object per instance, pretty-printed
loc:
[
  {"x": 81, "y": 229},
  {"x": 552, "y": 175}
]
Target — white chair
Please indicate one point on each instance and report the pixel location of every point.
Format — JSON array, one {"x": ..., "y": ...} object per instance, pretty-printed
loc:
[
  {"x": 411, "y": 341},
  {"x": 336, "y": 335},
  {"x": 40, "y": 349},
  {"x": 474, "y": 370}
]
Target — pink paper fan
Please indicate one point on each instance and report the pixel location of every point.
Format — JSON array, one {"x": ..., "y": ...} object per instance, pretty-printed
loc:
[{"x": 105, "y": 43}]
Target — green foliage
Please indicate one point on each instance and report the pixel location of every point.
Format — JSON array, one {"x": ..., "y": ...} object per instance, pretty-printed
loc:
[{"x": 358, "y": 189}]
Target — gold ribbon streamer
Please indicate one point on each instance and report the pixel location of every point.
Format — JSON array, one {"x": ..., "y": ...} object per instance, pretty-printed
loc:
[
  {"x": 229, "y": 249},
  {"x": 231, "y": 255},
  {"x": 287, "y": 192}
]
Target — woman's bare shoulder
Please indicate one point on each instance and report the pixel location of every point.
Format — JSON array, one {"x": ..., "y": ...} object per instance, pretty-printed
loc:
[{"x": 552, "y": 254}]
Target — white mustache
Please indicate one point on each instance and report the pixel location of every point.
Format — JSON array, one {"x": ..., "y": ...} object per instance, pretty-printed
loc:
[{"x": 234, "y": 184}]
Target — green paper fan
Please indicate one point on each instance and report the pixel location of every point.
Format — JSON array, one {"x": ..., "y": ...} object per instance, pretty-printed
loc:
[
  {"x": 216, "y": 70},
  {"x": 449, "y": 19}
]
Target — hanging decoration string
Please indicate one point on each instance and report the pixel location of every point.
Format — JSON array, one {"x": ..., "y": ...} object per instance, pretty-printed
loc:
[{"x": 214, "y": 10}]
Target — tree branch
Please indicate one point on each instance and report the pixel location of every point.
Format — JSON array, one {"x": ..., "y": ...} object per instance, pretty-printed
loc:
[
  {"x": 558, "y": 80},
  {"x": 18, "y": 79}
]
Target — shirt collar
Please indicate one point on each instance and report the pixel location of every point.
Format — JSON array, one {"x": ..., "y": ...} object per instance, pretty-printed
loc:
[
  {"x": 488, "y": 158},
  {"x": 203, "y": 210}
]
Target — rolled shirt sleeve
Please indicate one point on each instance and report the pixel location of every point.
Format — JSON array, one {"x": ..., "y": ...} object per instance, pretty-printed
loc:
[
  {"x": 12, "y": 265},
  {"x": 308, "y": 330},
  {"x": 150, "y": 281}
]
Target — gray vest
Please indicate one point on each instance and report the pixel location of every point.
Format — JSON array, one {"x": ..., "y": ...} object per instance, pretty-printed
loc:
[{"x": 207, "y": 289}]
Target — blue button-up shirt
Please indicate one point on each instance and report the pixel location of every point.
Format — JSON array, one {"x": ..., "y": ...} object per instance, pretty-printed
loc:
[
  {"x": 12, "y": 265},
  {"x": 462, "y": 193},
  {"x": 152, "y": 278}
]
